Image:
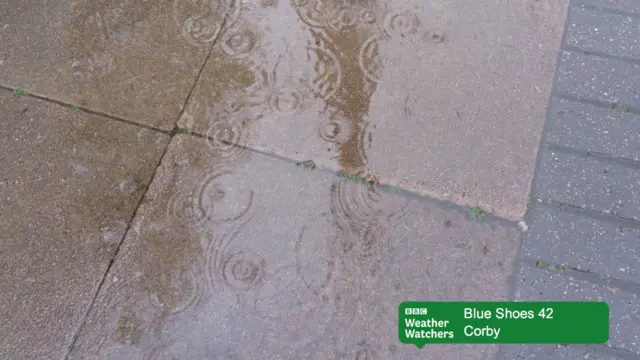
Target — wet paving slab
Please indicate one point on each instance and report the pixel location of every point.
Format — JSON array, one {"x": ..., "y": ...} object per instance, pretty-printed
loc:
[
  {"x": 69, "y": 185},
  {"x": 445, "y": 98},
  {"x": 238, "y": 255},
  {"x": 276, "y": 229},
  {"x": 135, "y": 60}
]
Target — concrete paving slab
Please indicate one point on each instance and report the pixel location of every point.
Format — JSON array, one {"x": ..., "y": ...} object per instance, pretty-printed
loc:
[
  {"x": 590, "y": 183},
  {"x": 593, "y": 77},
  {"x": 601, "y": 247},
  {"x": 533, "y": 284},
  {"x": 236, "y": 255},
  {"x": 69, "y": 185},
  {"x": 613, "y": 34},
  {"x": 445, "y": 98},
  {"x": 588, "y": 127},
  {"x": 132, "y": 59}
]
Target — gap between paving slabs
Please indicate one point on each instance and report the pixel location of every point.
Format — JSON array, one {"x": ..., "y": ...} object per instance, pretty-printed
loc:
[
  {"x": 474, "y": 213},
  {"x": 26, "y": 93}
]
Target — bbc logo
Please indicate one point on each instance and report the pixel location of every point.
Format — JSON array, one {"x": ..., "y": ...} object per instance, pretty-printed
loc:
[{"x": 415, "y": 311}]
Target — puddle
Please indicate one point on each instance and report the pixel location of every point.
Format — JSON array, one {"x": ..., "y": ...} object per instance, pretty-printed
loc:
[
  {"x": 319, "y": 77},
  {"x": 350, "y": 102}
]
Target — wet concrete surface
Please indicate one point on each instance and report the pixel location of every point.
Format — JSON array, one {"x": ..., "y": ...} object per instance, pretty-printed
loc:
[
  {"x": 319, "y": 155},
  {"x": 135, "y": 60},
  {"x": 446, "y": 98},
  {"x": 236, "y": 255},
  {"x": 69, "y": 184}
]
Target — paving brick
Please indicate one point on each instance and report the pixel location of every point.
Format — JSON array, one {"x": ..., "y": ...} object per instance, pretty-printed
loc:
[
  {"x": 552, "y": 352},
  {"x": 538, "y": 285},
  {"x": 630, "y": 6},
  {"x": 594, "y": 77},
  {"x": 613, "y": 34},
  {"x": 589, "y": 127},
  {"x": 590, "y": 183},
  {"x": 606, "y": 248}
]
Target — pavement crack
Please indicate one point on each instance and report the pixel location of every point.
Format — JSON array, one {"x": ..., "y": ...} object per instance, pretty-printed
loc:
[
  {"x": 88, "y": 111},
  {"x": 114, "y": 256}
]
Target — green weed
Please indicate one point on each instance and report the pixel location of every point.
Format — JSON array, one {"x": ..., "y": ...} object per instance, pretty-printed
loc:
[
  {"x": 307, "y": 165},
  {"x": 475, "y": 213},
  {"x": 541, "y": 264},
  {"x": 19, "y": 92}
]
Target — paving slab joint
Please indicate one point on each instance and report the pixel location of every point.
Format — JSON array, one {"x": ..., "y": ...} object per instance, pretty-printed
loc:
[
  {"x": 472, "y": 213},
  {"x": 600, "y": 54},
  {"x": 605, "y": 105},
  {"x": 547, "y": 351},
  {"x": 27, "y": 93},
  {"x": 604, "y": 9},
  {"x": 589, "y": 213},
  {"x": 602, "y": 157},
  {"x": 581, "y": 274},
  {"x": 609, "y": 351}
]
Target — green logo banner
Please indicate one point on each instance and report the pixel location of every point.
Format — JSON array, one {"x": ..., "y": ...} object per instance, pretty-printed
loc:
[{"x": 422, "y": 323}]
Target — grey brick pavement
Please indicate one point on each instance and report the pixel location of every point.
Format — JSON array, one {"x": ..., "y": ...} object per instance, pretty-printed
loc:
[
  {"x": 592, "y": 127},
  {"x": 585, "y": 213},
  {"x": 576, "y": 241},
  {"x": 594, "y": 31}
]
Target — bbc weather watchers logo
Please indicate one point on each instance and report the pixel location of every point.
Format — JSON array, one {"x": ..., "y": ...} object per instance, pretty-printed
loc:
[{"x": 415, "y": 311}]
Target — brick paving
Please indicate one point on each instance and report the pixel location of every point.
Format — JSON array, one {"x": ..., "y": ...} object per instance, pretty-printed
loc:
[{"x": 585, "y": 206}]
